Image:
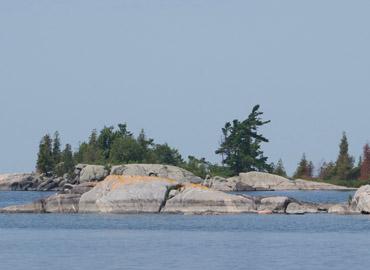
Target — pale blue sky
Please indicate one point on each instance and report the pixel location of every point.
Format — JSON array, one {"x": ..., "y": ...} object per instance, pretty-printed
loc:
[{"x": 181, "y": 69}]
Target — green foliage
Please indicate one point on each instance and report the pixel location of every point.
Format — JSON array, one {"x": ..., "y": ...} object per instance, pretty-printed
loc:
[
  {"x": 327, "y": 171},
  {"x": 279, "y": 169},
  {"x": 305, "y": 169},
  {"x": 68, "y": 160},
  {"x": 45, "y": 159},
  {"x": 344, "y": 164},
  {"x": 164, "y": 154},
  {"x": 241, "y": 145},
  {"x": 199, "y": 167},
  {"x": 57, "y": 155},
  {"x": 125, "y": 150}
]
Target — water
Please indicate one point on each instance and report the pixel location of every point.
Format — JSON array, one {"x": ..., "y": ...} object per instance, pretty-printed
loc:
[
  {"x": 182, "y": 242},
  {"x": 20, "y": 197}
]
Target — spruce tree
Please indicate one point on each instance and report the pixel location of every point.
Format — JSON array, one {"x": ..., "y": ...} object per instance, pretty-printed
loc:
[
  {"x": 45, "y": 160},
  {"x": 304, "y": 169},
  {"x": 279, "y": 169},
  {"x": 68, "y": 161},
  {"x": 344, "y": 162},
  {"x": 56, "y": 148}
]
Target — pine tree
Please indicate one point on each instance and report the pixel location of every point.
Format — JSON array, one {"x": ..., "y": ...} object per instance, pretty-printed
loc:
[
  {"x": 45, "y": 160},
  {"x": 344, "y": 162},
  {"x": 305, "y": 169},
  {"x": 68, "y": 161},
  {"x": 327, "y": 171},
  {"x": 241, "y": 145},
  {"x": 365, "y": 165},
  {"x": 105, "y": 141},
  {"x": 56, "y": 148},
  {"x": 279, "y": 169}
]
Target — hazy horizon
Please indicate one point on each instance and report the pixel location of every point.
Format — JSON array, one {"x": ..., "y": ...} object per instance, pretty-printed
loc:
[{"x": 180, "y": 70}]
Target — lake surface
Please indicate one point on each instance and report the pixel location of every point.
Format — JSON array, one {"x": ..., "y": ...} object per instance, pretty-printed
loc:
[
  {"x": 318, "y": 196},
  {"x": 63, "y": 242}
]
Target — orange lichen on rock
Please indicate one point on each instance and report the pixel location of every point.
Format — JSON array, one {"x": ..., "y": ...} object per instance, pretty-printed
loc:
[
  {"x": 115, "y": 181},
  {"x": 198, "y": 186}
]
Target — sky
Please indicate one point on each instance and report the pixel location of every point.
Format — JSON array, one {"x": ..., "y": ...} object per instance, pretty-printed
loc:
[{"x": 181, "y": 69}]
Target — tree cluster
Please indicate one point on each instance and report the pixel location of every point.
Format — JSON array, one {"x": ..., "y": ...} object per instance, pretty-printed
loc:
[
  {"x": 51, "y": 159},
  {"x": 240, "y": 149},
  {"x": 343, "y": 169}
]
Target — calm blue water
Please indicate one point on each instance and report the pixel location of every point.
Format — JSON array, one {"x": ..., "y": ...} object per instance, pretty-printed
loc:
[
  {"x": 319, "y": 196},
  {"x": 156, "y": 242}
]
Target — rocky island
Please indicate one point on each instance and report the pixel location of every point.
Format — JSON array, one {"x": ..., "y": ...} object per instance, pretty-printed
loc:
[{"x": 152, "y": 188}]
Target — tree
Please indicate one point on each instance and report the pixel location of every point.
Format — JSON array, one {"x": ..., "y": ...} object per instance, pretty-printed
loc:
[
  {"x": 125, "y": 150},
  {"x": 56, "y": 148},
  {"x": 304, "y": 169},
  {"x": 68, "y": 161},
  {"x": 45, "y": 160},
  {"x": 344, "y": 162},
  {"x": 92, "y": 153},
  {"x": 365, "y": 165},
  {"x": 164, "y": 154},
  {"x": 327, "y": 171},
  {"x": 279, "y": 169},
  {"x": 199, "y": 167},
  {"x": 105, "y": 141},
  {"x": 241, "y": 144},
  {"x": 145, "y": 144}
]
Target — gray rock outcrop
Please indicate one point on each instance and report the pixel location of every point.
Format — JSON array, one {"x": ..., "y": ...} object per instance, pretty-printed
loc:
[
  {"x": 253, "y": 181},
  {"x": 361, "y": 200},
  {"x": 90, "y": 173},
  {"x": 166, "y": 171}
]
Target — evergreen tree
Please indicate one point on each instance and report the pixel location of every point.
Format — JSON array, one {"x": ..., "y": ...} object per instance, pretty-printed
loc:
[
  {"x": 241, "y": 145},
  {"x": 279, "y": 169},
  {"x": 125, "y": 150},
  {"x": 123, "y": 131},
  {"x": 105, "y": 141},
  {"x": 93, "y": 153},
  {"x": 68, "y": 161},
  {"x": 365, "y": 164},
  {"x": 327, "y": 171},
  {"x": 344, "y": 163},
  {"x": 45, "y": 159},
  {"x": 304, "y": 169},
  {"x": 145, "y": 144},
  {"x": 164, "y": 154},
  {"x": 200, "y": 167},
  {"x": 56, "y": 148}
]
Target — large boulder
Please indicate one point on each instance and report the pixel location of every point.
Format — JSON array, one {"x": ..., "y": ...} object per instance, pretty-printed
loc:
[
  {"x": 197, "y": 199},
  {"x": 165, "y": 171},
  {"x": 298, "y": 208},
  {"x": 89, "y": 173},
  {"x": 361, "y": 200},
  {"x": 126, "y": 194},
  {"x": 273, "y": 204},
  {"x": 219, "y": 183}
]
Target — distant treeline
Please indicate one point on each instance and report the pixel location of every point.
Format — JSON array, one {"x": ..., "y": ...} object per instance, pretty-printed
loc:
[{"x": 344, "y": 171}]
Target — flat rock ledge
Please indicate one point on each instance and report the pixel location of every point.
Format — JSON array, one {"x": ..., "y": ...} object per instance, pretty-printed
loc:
[
  {"x": 119, "y": 194},
  {"x": 259, "y": 181}
]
